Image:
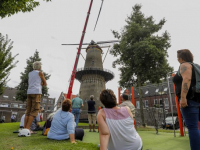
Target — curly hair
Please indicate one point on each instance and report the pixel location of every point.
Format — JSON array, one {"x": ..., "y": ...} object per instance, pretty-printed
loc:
[
  {"x": 66, "y": 105},
  {"x": 108, "y": 98},
  {"x": 37, "y": 65}
]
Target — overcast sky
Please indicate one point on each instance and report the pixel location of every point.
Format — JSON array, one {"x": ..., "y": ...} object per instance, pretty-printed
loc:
[{"x": 61, "y": 21}]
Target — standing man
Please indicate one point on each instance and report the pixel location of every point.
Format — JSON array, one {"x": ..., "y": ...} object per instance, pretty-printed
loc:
[
  {"x": 128, "y": 103},
  {"x": 77, "y": 103},
  {"x": 91, "y": 113},
  {"x": 36, "y": 80}
]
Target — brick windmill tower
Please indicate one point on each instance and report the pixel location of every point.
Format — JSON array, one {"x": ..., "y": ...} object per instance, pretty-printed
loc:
[{"x": 92, "y": 77}]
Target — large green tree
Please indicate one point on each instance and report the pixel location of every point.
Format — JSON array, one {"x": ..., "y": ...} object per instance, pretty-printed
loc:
[
  {"x": 21, "y": 93},
  {"x": 11, "y": 7},
  {"x": 141, "y": 53},
  {"x": 6, "y": 60}
]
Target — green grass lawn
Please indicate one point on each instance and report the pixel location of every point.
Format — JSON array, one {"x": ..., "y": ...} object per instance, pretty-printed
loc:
[{"x": 151, "y": 141}]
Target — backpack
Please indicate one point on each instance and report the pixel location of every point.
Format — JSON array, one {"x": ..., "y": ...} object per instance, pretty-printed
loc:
[
  {"x": 46, "y": 127},
  {"x": 196, "y": 67}
]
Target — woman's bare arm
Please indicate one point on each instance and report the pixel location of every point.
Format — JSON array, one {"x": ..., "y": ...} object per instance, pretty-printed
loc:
[
  {"x": 72, "y": 138},
  {"x": 186, "y": 73},
  {"x": 129, "y": 111},
  {"x": 104, "y": 133}
]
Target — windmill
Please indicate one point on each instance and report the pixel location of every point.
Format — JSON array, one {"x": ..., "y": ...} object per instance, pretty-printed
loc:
[{"x": 93, "y": 76}]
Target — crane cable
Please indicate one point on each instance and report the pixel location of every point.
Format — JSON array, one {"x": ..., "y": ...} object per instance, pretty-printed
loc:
[{"x": 98, "y": 14}]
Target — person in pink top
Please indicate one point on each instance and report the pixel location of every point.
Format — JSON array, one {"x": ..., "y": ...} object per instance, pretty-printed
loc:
[{"x": 116, "y": 127}]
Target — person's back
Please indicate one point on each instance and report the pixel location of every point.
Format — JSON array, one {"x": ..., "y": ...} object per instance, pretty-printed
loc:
[
  {"x": 91, "y": 113},
  {"x": 34, "y": 80},
  {"x": 61, "y": 126},
  {"x": 34, "y": 123},
  {"x": 123, "y": 135},
  {"x": 77, "y": 102},
  {"x": 91, "y": 106},
  {"x": 130, "y": 105}
]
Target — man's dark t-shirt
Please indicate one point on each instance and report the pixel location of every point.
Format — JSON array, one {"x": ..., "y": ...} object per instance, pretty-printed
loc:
[{"x": 91, "y": 108}]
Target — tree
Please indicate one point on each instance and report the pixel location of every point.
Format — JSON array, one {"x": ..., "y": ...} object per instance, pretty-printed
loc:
[
  {"x": 6, "y": 61},
  {"x": 21, "y": 93},
  {"x": 142, "y": 54},
  {"x": 11, "y": 7}
]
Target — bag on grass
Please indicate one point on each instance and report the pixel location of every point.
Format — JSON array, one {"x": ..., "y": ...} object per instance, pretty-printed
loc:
[{"x": 46, "y": 127}]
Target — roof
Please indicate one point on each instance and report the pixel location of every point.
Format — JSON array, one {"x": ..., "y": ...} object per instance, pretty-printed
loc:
[{"x": 154, "y": 89}]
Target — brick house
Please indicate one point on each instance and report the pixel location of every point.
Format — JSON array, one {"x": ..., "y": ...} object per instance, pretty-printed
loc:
[{"x": 10, "y": 106}]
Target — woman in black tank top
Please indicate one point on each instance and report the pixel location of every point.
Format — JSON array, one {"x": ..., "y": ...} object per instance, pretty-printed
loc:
[{"x": 184, "y": 81}]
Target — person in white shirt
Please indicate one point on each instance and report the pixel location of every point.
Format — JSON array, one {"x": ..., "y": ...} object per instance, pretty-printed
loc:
[{"x": 36, "y": 80}]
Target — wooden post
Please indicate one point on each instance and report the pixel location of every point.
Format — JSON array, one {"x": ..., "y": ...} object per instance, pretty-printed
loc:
[
  {"x": 133, "y": 101},
  {"x": 119, "y": 95},
  {"x": 99, "y": 109},
  {"x": 178, "y": 111},
  {"x": 127, "y": 92}
]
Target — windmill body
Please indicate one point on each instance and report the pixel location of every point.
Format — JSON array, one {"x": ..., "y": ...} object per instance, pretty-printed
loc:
[{"x": 92, "y": 77}]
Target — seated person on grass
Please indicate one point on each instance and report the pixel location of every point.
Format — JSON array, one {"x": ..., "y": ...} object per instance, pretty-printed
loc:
[
  {"x": 116, "y": 128},
  {"x": 35, "y": 126},
  {"x": 63, "y": 125}
]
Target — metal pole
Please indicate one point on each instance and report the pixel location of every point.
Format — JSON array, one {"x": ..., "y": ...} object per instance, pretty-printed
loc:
[
  {"x": 170, "y": 97},
  {"x": 163, "y": 103}
]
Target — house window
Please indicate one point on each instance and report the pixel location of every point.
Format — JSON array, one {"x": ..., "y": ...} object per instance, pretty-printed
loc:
[
  {"x": 165, "y": 89},
  {"x": 161, "y": 102},
  {"x": 166, "y": 103},
  {"x": 44, "y": 106},
  {"x": 146, "y": 103},
  {"x": 138, "y": 104},
  {"x": 20, "y": 105},
  {"x": 5, "y": 96},
  {"x": 44, "y": 100},
  {"x": 4, "y": 105},
  {"x": 157, "y": 90},
  {"x": 155, "y": 101},
  {"x": 50, "y": 101},
  {"x": 146, "y": 92},
  {"x": 15, "y": 105},
  {"x": 50, "y": 108}
]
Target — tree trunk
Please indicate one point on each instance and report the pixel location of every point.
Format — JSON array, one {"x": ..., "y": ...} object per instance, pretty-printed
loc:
[{"x": 141, "y": 104}]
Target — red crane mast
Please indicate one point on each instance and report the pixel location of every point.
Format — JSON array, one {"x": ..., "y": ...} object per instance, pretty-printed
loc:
[{"x": 78, "y": 54}]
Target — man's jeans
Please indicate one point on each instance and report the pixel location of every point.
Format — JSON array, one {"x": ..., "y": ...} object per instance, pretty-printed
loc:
[
  {"x": 76, "y": 112},
  {"x": 191, "y": 117}
]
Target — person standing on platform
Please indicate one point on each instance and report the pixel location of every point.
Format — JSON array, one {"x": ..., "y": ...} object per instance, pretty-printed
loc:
[
  {"x": 77, "y": 103},
  {"x": 91, "y": 113}
]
